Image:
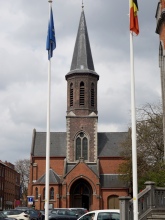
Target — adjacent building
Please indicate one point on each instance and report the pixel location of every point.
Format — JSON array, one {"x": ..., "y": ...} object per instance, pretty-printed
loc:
[
  {"x": 83, "y": 162},
  {"x": 9, "y": 185},
  {"x": 160, "y": 29}
]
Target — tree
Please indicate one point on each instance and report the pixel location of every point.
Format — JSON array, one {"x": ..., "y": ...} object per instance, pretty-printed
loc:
[
  {"x": 150, "y": 147},
  {"x": 23, "y": 167}
]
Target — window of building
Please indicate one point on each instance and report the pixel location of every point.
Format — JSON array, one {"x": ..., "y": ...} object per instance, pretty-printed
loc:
[
  {"x": 52, "y": 193},
  {"x": 81, "y": 146},
  {"x": 82, "y": 94},
  {"x": 43, "y": 193},
  {"x": 71, "y": 94},
  {"x": 36, "y": 192}
]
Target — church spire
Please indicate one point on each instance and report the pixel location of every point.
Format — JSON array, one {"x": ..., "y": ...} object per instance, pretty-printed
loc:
[{"x": 82, "y": 56}]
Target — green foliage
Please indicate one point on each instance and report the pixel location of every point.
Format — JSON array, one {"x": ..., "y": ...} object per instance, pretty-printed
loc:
[
  {"x": 150, "y": 147},
  {"x": 157, "y": 177}
]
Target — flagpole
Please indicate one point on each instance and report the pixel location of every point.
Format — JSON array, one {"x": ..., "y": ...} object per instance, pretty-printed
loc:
[
  {"x": 133, "y": 117},
  {"x": 48, "y": 135}
]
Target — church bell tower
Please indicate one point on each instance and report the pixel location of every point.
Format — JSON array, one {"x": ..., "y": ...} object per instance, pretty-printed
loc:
[{"x": 82, "y": 114}]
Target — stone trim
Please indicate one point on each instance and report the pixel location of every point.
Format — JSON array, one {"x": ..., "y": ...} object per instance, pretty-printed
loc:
[{"x": 68, "y": 138}]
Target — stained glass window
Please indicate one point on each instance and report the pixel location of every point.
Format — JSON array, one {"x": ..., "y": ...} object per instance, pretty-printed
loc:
[{"x": 81, "y": 146}]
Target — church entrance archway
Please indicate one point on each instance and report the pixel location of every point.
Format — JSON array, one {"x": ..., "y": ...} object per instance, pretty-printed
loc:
[{"x": 81, "y": 194}]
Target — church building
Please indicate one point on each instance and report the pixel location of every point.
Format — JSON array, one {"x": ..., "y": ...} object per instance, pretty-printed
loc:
[{"x": 83, "y": 162}]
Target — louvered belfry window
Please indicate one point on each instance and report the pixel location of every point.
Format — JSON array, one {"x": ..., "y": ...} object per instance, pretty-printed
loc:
[
  {"x": 81, "y": 146},
  {"x": 71, "y": 94},
  {"x": 92, "y": 95},
  {"x": 82, "y": 94}
]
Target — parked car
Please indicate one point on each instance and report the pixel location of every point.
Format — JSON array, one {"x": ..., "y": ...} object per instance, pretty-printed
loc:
[
  {"x": 105, "y": 214},
  {"x": 79, "y": 211},
  {"x": 34, "y": 214},
  {"x": 23, "y": 208},
  {"x": 42, "y": 214},
  {"x": 62, "y": 214},
  {"x": 18, "y": 214},
  {"x": 4, "y": 217}
]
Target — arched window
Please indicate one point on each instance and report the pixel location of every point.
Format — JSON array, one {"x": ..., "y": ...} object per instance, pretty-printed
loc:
[
  {"x": 36, "y": 192},
  {"x": 81, "y": 146},
  {"x": 43, "y": 193},
  {"x": 82, "y": 94},
  {"x": 51, "y": 193},
  {"x": 71, "y": 94},
  {"x": 92, "y": 95}
]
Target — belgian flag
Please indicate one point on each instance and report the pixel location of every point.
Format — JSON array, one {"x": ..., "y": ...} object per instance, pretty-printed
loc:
[{"x": 134, "y": 25}]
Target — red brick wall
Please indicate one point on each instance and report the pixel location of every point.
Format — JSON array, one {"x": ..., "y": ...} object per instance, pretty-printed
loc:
[
  {"x": 107, "y": 192},
  {"x": 162, "y": 28},
  {"x": 99, "y": 197},
  {"x": 109, "y": 165},
  {"x": 57, "y": 164},
  {"x": 162, "y": 3}
]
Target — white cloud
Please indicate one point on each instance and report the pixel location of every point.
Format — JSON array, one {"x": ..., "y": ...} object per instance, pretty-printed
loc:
[{"x": 23, "y": 65}]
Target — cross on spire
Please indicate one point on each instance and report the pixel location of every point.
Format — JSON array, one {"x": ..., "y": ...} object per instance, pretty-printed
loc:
[{"x": 82, "y": 5}]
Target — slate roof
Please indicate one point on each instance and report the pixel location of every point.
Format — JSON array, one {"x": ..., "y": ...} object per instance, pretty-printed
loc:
[
  {"x": 108, "y": 144},
  {"x": 106, "y": 180},
  {"x": 53, "y": 178},
  {"x": 57, "y": 144},
  {"x": 82, "y": 56},
  {"x": 82, "y": 61},
  {"x": 112, "y": 181}
]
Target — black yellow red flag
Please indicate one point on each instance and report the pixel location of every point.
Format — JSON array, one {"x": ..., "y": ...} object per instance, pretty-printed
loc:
[{"x": 134, "y": 24}]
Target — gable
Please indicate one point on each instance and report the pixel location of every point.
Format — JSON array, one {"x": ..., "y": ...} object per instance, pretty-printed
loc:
[
  {"x": 81, "y": 169},
  {"x": 92, "y": 166}
]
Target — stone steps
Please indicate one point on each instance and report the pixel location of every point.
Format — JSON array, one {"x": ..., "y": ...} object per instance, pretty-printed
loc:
[{"x": 157, "y": 216}]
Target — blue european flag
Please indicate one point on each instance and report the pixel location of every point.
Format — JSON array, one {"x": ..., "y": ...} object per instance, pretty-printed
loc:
[{"x": 51, "y": 40}]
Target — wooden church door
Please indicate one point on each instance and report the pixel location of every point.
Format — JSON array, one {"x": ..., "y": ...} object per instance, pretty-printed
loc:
[{"x": 81, "y": 194}]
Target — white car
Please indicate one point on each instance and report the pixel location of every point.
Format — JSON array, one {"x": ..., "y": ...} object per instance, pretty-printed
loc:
[
  {"x": 17, "y": 214},
  {"x": 104, "y": 214}
]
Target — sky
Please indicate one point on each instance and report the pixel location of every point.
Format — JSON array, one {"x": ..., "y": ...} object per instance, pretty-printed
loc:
[{"x": 24, "y": 66}]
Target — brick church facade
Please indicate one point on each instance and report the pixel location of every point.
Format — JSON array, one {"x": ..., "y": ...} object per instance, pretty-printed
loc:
[{"x": 83, "y": 162}]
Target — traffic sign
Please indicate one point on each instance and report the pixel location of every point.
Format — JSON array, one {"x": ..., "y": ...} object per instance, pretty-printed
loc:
[{"x": 30, "y": 200}]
